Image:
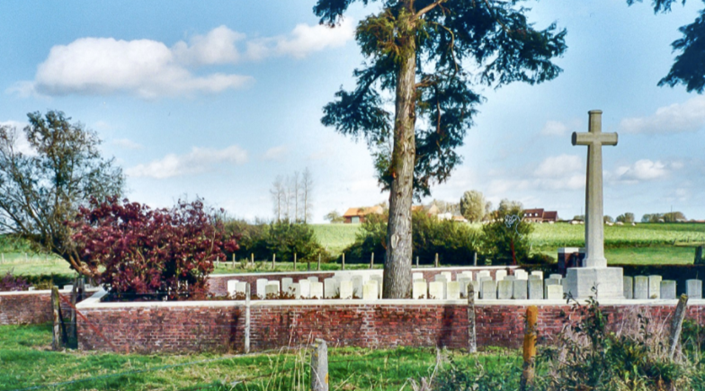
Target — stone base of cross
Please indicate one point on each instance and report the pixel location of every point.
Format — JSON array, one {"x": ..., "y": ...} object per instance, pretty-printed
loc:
[
  {"x": 609, "y": 282},
  {"x": 580, "y": 281}
]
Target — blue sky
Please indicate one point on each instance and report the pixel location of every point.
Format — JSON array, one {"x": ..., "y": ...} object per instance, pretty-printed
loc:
[{"x": 219, "y": 100}]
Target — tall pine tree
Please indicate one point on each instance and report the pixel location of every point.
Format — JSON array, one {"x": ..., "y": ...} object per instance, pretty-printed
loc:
[{"x": 426, "y": 56}]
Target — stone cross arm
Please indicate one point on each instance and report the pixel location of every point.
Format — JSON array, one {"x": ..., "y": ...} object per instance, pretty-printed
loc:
[{"x": 594, "y": 138}]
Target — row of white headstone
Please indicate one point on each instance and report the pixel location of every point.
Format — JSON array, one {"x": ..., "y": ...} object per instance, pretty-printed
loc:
[
  {"x": 654, "y": 287},
  {"x": 368, "y": 286}
]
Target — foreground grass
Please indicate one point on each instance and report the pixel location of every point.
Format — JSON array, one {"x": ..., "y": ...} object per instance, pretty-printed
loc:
[{"x": 27, "y": 362}]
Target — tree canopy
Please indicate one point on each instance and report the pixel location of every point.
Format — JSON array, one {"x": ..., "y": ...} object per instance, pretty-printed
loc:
[
  {"x": 426, "y": 56},
  {"x": 42, "y": 188}
]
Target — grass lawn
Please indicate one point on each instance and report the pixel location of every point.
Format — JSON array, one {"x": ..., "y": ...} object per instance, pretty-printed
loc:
[
  {"x": 27, "y": 362},
  {"x": 33, "y": 264},
  {"x": 335, "y": 237}
]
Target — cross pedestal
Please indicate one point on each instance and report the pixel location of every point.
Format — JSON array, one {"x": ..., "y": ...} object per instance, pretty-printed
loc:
[{"x": 581, "y": 280}]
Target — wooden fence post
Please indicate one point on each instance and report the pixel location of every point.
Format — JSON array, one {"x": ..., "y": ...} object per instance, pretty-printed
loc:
[
  {"x": 294, "y": 261},
  {"x": 247, "y": 317},
  {"x": 343, "y": 268},
  {"x": 319, "y": 366},
  {"x": 472, "y": 335},
  {"x": 274, "y": 260},
  {"x": 677, "y": 325},
  {"x": 372, "y": 261},
  {"x": 527, "y": 375},
  {"x": 252, "y": 258},
  {"x": 319, "y": 262},
  {"x": 436, "y": 263},
  {"x": 474, "y": 258},
  {"x": 417, "y": 261},
  {"x": 57, "y": 340}
]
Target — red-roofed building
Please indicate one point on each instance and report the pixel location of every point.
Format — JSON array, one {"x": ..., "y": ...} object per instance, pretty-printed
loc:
[
  {"x": 540, "y": 216},
  {"x": 357, "y": 215}
]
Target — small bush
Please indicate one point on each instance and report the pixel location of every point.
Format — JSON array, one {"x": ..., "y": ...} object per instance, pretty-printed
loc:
[{"x": 11, "y": 283}]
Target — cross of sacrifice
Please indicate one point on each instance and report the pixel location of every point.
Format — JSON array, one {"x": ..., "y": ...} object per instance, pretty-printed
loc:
[{"x": 594, "y": 228}]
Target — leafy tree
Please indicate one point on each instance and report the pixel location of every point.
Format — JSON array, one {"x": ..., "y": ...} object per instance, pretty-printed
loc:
[
  {"x": 607, "y": 219},
  {"x": 418, "y": 52},
  {"x": 626, "y": 218},
  {"x": 579, "y": 217},
  {"x": 42, "y": 190},
  {"x": 506, "y": 238},
  {"x": 285, "y": 238},
  {"x": 472, "y": 206},
  {"x": 370, "y": 238},
  {"x": 168, "y": 252},
  {"x": 334, "y": 217},
  {"x": 673, "y": 217}
]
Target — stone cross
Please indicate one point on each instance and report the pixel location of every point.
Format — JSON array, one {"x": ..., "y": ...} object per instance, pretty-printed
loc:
[{"x": 594, "y": 225}]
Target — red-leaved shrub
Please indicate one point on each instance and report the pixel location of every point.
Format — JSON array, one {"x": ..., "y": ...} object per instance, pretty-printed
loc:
[{"x": 161, "y": 252}]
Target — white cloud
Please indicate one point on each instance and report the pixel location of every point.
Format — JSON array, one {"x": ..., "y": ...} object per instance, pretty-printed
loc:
[
  {"x": 643, "y": 170},
  {"x": 197, "y": 161},
  {"x": 126, "y": 143},
  {"x": 676, "y": 118},
  {"x": 150, "y": 69},
  {"x": 275, "y": 153}
]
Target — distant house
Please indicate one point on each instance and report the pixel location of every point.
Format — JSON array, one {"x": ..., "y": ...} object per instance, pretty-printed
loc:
[
  {"x": 357, "y": 215},
  {"x": 431, "y": 210},
  {"x": 540, "y": 216}
]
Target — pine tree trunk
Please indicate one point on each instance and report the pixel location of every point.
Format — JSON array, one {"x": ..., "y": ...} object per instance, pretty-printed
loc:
[{"x": 397, "y": 265}]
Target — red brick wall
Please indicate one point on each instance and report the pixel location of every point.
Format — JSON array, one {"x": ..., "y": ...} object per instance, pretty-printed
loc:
[
  {"x": 25, "y": 308},
  {"x": 221, "y": 328}
]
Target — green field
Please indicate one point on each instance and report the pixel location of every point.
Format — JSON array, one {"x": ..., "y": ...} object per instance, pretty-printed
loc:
[
  {"x": 335, "y": 237},
  {"x": 27, "y": 361}
]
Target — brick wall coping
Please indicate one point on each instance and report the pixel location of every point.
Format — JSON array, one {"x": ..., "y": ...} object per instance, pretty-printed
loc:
[
  {"x": 363, "y": 271},
  {"x": 94, "y": 303},
  {"x": 40, "y": 292}
]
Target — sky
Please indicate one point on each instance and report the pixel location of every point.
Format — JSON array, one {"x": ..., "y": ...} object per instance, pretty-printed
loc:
[{"x": 218, "y": 99}]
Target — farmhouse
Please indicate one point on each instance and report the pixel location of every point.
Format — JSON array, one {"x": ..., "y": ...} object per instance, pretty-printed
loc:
[
  {"x": 540, "y": 216},
  {"x": 357, "y": 215}
]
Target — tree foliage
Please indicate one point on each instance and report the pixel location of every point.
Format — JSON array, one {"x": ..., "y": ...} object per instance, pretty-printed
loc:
[
  {"x": 42, "y": 189},
  {"x": 168, "y": 252},
  {"x": 472, "y": 206},
  {"x": 334, "y": 217},
  {"x": 627, "y": 218},
  {"x": 506, "y": 238}
]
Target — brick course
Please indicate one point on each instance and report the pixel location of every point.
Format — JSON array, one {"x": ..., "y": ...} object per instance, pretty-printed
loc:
[{"x": 206, "y": 327}]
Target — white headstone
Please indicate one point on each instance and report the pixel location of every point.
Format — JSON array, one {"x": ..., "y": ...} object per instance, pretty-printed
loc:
[
  {"x": 505, "y": 289},
  {"x": 694, "y": 289},
  {"x": 453, "y": 290},
  {"x": 520, "y": 291},
  {"x": 346, "y": 289},
  {"x": 668, "y": 290},
  {"x": 331, "y": 287},
  {"x": 231, "y": 286},
  {"x": 440, "y": 277},
  {"x": 535, "y": 288},
  {"x": 271, "y": 290},
  {"x": 420, "y": 290},
  {"x": 448, "y": 275},
  {"x": 437, "y": 290},
  {"x": 521, "y": 274},
  {"x": 537, "y": 273},
  {"x": 499, "y": 275},
  {"x": 357, "y": 282},
  {"x": 554, "y": 292},
  {"x": 654, "y": 287},
  {"x": 488, "y": 290},
  {"x": 286, "y": 285},
  {"x": 641, "y": 287},
  {"x": 313, "y": 279},
  {"x": 241, "y": 287},
  {"x": 417, "y": 276},
  {"x": 463, "y": 281},
  {"x": 261, "y": 284},
  {"x": 304, "y": 289},
  {"x": 483, "y": 273},
  {"x": 316, "y": 290},
  {"x": 370, "y": 291},
  {"x": 628, "y": 287}
]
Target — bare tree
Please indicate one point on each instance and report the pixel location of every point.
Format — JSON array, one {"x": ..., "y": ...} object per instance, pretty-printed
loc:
[
  {"x": 294, "y": 184},
  {"x": 306, "y": 189},
  {"x": 277, "y": 197}
]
